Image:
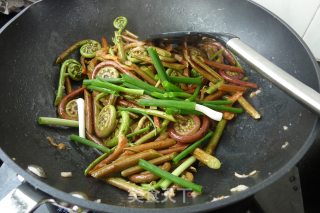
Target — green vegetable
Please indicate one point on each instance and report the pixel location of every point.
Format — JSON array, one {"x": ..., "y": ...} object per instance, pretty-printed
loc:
[
  {"x": 132, "y": 59},
  {"x": 120, "y": 23},
  {"x": 164, "y": 184},
  {"x": 177, "y": 95},
  {"x": 140, "y": 84},
  {"x": 185, "y": 105},
  {"x": 57, "y": 122},
  {"x": 152, "y": 133},
  {"x": 107, "y": 72},
  {"x": 113, "y": 87},
  {"x": 217, "y": 102},
  {"x": 119, "y": 43},
  {"x": 95, "y": 162},
  {"x": 89, "y": 143},
  {"x": 157, "y": 64},
  {"x": 216, "y": 136},
  {"x": 111, "y": 51},
  {"x": 137, "y": 111},
  {"x": 158, "y": 95},
  {"x": 70, "y": 49},
  {"x": 162, "y": 52},
  {"x": 148, "y": 71},
  {"x": 216, "y": 54},
  {"x": 192, "y": 147},
  {"x": 72, "y": 69},
  {"x": 194, "y": 73},
  {"x": 89, "y": 49},
  {"x": 171, "y": 87},
  {"x": 214, "y": 87},
  {"x": 100, "y": 89},
  {"x": 166, "y": 96},
  {"x": 156, "y": 161},
  {"x": 236, "y": 60},
  {"x": 125, "y": 122},
  {"x": 168, "y": 103},
  {"x": 175, "y": 111},
  {"x": 185, "y": 80},
  {"x": 105, "y": 121},
  {"x": 123, "y": 129},
  {"x": 153, "y": 112},
  {"x": 195, "y": 94},
  {"x": 164, "y": 174},
  {"x": 110, "y": 80},
  {"x": 138, "y": 132},
  {"x": 141, "y": 122}
]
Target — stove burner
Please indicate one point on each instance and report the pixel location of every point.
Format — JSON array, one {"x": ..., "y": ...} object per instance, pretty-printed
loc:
[{"x": 282, "y": 196}]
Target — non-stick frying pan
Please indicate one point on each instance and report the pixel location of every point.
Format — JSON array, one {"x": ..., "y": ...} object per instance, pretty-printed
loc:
[{"x": 29, "y": 78}]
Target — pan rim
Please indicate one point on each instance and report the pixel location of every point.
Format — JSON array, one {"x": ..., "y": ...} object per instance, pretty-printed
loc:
[{"x": 190, "y": 208}]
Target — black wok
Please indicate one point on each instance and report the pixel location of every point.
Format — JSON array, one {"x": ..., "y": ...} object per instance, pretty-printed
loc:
[{"x": 29, "y": 79}]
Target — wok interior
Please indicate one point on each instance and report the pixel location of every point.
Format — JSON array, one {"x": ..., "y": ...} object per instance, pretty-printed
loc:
[{"x": 29, "y": 80}]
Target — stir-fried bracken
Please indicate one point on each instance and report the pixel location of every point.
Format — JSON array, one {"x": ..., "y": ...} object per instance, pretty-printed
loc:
[{"x": 151, "y": 110}]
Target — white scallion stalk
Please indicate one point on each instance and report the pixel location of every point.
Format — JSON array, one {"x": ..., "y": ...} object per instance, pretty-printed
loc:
[
  {"x": 81, "y": 118},
  {"x": 215, "y": 115}
]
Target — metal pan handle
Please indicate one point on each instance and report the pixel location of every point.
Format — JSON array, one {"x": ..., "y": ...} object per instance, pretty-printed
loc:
[
  {"x": 19, "y": 196},
  {"x": 24, "y": 199},
  {"x": 275, "y": 74}
]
